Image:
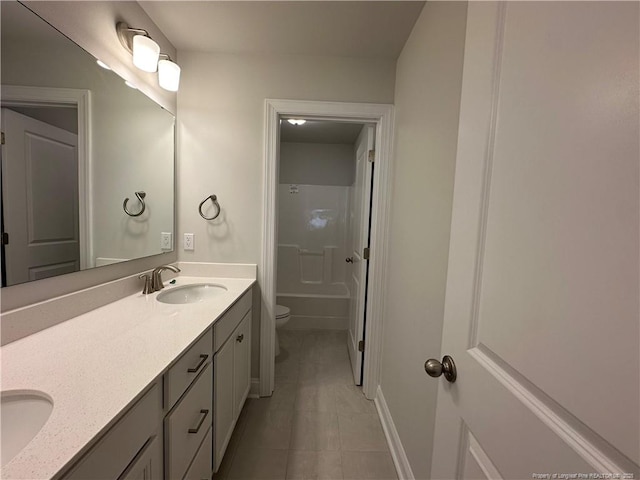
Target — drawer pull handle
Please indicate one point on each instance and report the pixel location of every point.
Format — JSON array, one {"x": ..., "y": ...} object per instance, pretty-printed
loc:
[
  {"x": 203, "y": 358},
  {"x": 204, "y": 415},
  {"x": 240, "y": 338}
]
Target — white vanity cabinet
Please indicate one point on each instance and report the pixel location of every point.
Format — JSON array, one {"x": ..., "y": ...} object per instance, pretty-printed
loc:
[
  {"x": 131, "y": 449},
  {"x": 232, "y": 373},
  {"x": 180, "y": 427}
]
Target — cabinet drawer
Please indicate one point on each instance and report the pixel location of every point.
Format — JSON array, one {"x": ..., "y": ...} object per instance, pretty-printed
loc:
[
  {"x": 187, "y": 425},
  {"x": 200, "y": 469},
  {"x": 187, "y": 368},
  {"x": 109, "y": 458},
  {"x": 230, "y": 320}
]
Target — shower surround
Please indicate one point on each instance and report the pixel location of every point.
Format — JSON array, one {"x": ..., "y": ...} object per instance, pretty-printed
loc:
[{"x": 312, "y": 246}]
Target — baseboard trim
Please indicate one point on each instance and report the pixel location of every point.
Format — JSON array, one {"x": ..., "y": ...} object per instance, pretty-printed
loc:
[
  {"x": 400, "y": 460},
  {"x": 254, "y": 391}
]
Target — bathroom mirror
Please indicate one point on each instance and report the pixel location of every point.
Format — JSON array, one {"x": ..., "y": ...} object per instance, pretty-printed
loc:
[{"x": 76, "y": 143}]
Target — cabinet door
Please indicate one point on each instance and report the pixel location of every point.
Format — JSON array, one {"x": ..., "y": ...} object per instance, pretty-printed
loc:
[
  {"x": 200, "y": 469},
  {"x": 148, "y": 463},
  {"x": 123, "y": 445},
  {"x": 223, "y": 403},
  {"x": 241, "y": 364}
]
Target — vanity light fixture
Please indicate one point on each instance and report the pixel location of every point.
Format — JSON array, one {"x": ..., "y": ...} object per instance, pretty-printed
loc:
[
  {"x": 168, "y": 73},
  {"x": 145, "y": 53},
  {"x": 296, "y": 121},
  {"x": 147, "y": 56}
]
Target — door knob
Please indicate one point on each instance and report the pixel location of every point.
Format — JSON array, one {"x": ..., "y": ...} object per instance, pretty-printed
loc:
[
  {"x": 349, "y": 260},
  {"x": 434, "y": 368}
]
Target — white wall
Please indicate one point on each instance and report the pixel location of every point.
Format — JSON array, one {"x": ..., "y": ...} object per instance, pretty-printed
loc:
[
  {"x": 221, "y": 144},
  {"x": 317, "y": 163},
  {"x": 427, "y": 99}
]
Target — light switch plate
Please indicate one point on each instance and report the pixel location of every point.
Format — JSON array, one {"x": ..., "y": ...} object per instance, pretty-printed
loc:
[
  {"x": 188, "y": 241},
  {"x": 165, "y": 241}
]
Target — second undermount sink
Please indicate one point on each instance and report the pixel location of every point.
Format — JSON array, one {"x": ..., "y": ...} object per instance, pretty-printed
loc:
[
  {"x": 24, "y": 413},
  {"x": 198, "y": 292}
]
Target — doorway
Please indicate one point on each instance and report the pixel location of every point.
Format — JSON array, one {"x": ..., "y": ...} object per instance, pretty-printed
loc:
[
  {"x": 380, "y": 118},
  {"x": 324, "y": 199}
]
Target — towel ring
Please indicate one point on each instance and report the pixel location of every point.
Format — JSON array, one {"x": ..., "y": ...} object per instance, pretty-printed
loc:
[
  {"x": 140, "y": 196},
  {"x": 214, "y": 199}
]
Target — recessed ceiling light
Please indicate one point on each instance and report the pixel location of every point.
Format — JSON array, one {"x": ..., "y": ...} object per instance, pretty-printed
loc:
[
  {"x": 130, "y": 85},
  {"x": 103, "y": 65},
  {"x": 296, "y": 121}
]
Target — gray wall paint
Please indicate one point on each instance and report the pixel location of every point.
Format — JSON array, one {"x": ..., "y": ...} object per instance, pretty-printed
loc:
[
  {"x": 427, "y": 98},
  {"x": 221, "y": 140},
  {"x": 64, "y": 118},
  {"x": 317, "y": 164}
]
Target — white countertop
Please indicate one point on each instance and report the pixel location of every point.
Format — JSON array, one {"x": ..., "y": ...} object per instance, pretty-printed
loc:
[{"x": 94, "y": 365}]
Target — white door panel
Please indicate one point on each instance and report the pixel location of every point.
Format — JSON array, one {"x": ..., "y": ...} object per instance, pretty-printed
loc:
[
  {"x": 359, "y": 228},
  {"x": 40, "y": 192},
  {"x": 542, "y": 308}
]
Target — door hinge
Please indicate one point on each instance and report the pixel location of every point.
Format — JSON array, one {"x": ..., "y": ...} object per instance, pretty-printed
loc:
[
  {"x": 372, "y": 156},
  {"x": 1, "y": 138},
  {"x": 366, "y": 253},
  {"x": 5, "y": 238},
  {"x": 361, "y": 346}
]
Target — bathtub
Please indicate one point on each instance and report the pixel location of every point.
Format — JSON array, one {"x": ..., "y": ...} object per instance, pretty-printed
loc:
[{"x": 317, "y": 311}]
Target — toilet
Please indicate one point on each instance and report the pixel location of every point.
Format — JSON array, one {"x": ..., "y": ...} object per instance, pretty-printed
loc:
[{"x": 283, "y": 314}]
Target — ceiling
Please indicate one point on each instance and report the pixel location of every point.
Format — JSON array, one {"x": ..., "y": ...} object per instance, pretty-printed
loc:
[
  {"x": 320, "y": 131},
  {"x": 370, "y": 29}
]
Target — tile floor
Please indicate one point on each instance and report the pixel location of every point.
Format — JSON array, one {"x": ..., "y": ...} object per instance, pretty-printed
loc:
[{"x": 317, "y": 425}]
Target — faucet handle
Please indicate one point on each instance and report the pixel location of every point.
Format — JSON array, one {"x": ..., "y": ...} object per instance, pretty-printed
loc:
[{"x": 147, "y": 283}]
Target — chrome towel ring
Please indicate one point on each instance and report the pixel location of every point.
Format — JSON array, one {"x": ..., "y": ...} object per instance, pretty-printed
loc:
[
  {"x": 140, "y": 196},
  {"x": 214, "y": 199}
]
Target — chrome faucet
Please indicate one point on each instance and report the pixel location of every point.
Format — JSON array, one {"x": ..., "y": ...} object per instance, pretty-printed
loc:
[{"x": 156, "y": 276}]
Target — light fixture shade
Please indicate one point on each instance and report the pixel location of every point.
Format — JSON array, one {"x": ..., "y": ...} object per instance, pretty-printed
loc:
[
  {"x": 169, "y": 75},
  {"x": 145, "y": 53}
]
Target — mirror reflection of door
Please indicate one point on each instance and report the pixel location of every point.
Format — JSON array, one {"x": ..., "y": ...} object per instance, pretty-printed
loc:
[{"x": 39, "y": 193}]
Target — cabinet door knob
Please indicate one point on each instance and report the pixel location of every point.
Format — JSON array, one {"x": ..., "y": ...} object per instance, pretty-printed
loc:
[{"x": 240, "y": 338}]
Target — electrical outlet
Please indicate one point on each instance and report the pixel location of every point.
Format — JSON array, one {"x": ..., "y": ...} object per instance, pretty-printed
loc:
[
  {"x": 189, "y": 241},
  {"x": 165, "y": 241}
]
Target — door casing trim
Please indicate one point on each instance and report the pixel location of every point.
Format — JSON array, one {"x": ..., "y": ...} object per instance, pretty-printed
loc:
[{"x": 382, "y": 115}]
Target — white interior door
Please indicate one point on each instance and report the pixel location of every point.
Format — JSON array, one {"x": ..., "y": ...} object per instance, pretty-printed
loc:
[
  {"x": 359, "y": 227},
  {"x": 40, "y": 196},
  {"x": 541, "y": 314}
]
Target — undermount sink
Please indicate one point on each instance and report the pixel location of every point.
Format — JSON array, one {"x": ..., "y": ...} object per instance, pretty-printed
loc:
[
  {"x": 198, "y": 292},
  {"x": 23, "y": 414}
]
